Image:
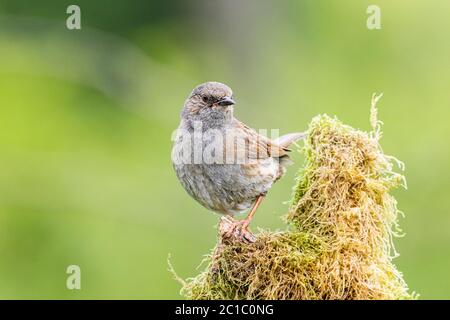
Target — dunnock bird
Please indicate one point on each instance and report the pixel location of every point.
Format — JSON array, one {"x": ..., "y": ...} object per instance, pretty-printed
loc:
[{"x": 222, "y": 163}]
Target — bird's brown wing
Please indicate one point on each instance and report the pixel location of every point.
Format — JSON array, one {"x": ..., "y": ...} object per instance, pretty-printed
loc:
[{"x": 257, "y": 146}]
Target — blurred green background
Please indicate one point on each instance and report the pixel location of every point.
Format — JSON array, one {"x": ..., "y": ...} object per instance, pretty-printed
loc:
[{"x": 86, "y": 118}]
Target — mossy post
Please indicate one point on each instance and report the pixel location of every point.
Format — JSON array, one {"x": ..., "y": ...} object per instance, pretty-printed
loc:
[{"x": 338, "y": 244}]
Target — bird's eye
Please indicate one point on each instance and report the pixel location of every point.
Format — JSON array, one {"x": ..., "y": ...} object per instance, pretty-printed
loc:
[{"x": 205, "y": 99}]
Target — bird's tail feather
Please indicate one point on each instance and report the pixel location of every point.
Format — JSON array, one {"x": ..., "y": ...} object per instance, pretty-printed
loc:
[{"x": 288, "y": 139}]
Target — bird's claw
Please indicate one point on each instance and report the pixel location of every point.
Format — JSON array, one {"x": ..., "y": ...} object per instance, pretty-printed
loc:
[{"x": 237, "y": 229}]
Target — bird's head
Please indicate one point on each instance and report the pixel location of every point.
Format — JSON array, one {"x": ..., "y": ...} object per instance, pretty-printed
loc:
[{"x": 209, "y": 99}]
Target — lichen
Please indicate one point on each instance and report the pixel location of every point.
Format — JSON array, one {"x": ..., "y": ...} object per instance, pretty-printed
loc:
[{"x": 340, "y": 226}]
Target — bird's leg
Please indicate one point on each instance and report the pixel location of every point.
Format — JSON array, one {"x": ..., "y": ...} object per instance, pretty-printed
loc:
[{"x": 249, "y": 217}]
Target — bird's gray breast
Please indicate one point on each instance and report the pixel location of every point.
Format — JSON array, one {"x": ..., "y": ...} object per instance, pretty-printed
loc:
[
  {"x": 227, "y": 188},
  {"x": 224, "y": 188}
]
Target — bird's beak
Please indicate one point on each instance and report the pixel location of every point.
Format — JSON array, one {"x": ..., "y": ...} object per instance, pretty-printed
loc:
[{"x": 227, "y": 101}]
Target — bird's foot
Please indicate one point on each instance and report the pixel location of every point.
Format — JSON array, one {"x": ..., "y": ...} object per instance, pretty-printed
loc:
[{"x": 235, "y": 229}]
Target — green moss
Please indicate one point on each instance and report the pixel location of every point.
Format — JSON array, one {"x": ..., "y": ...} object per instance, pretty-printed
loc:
[{"x": 338, "y": 244}]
